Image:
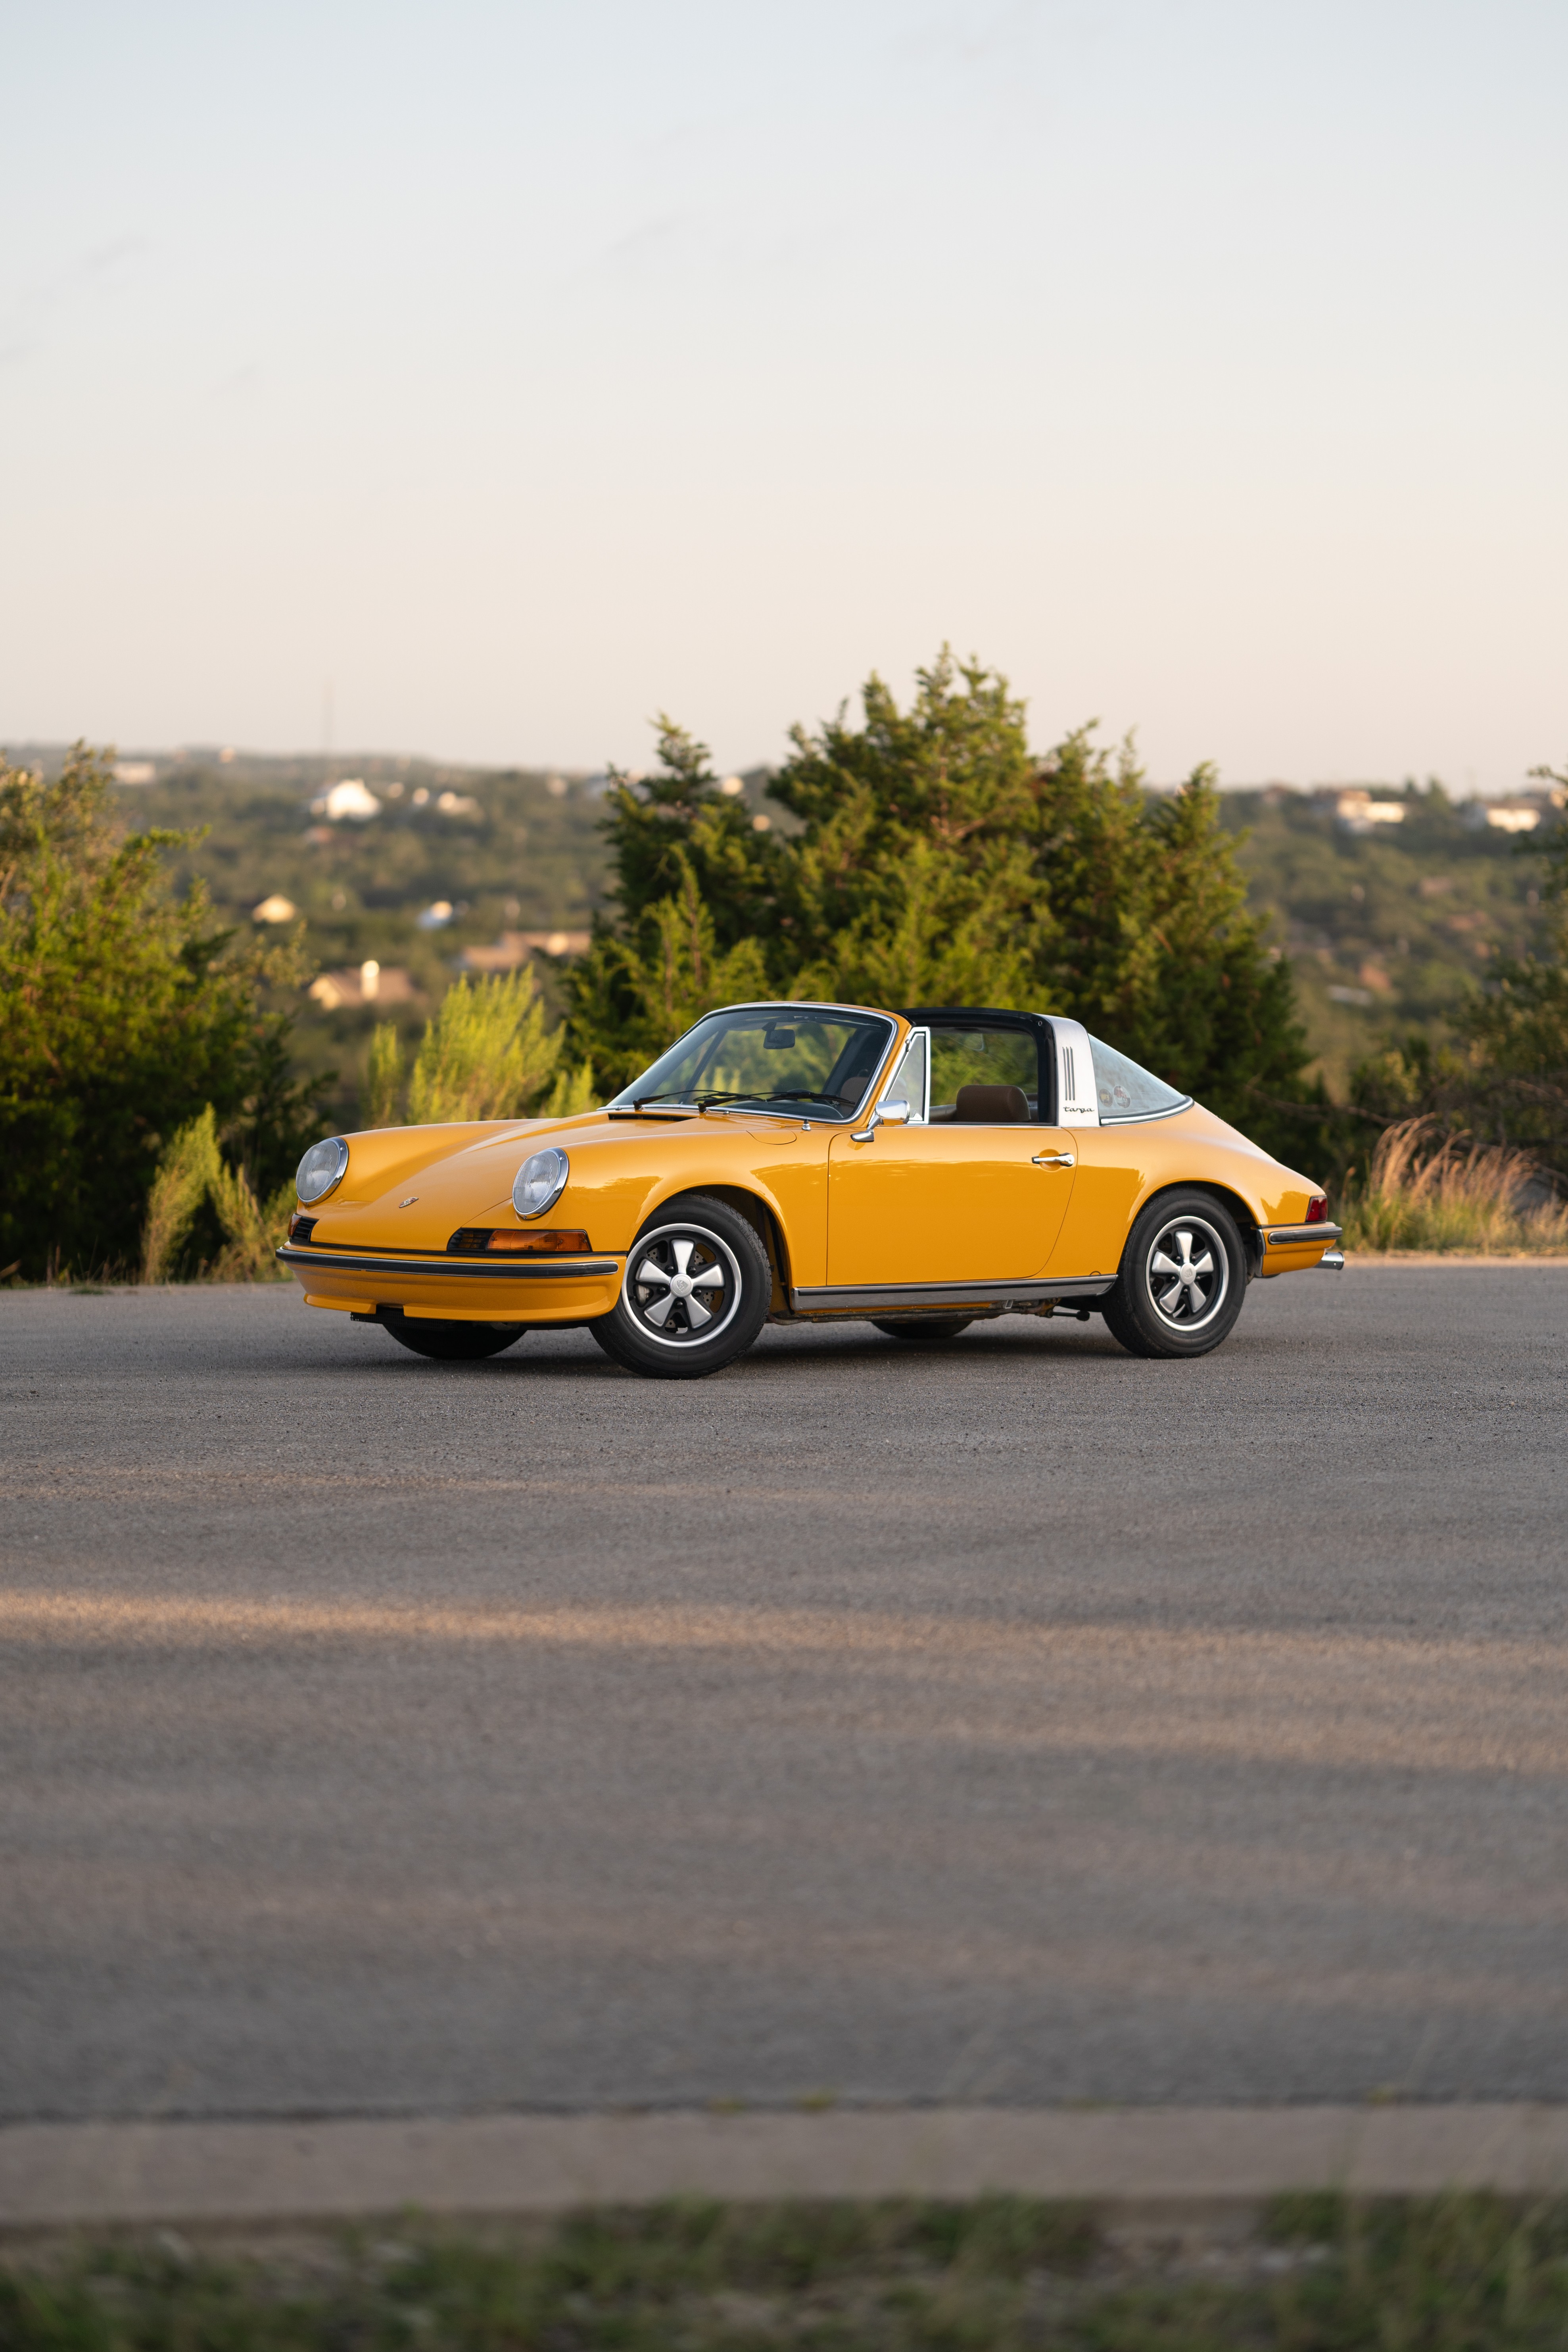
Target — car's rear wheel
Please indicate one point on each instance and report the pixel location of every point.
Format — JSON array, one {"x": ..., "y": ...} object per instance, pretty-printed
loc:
[
  {"x": 450, "y": 1343},
  {"x": 923, "y": 1330},
  {"x": 1183, "y": 1278},
  {"x": 695, "y": 1293}
]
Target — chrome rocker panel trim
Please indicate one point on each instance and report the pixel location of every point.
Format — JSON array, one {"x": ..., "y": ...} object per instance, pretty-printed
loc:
[
  {"x": 464, "y": 1269},
  {"x": 882, "y": 1296}
]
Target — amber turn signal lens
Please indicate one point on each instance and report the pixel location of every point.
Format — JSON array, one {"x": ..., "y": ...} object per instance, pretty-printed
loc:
[
  {"x": 562, "y": 1243},
  {"x": 1318, "y": 1208}
]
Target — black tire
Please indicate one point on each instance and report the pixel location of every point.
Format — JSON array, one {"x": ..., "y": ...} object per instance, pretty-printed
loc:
[
  {"x": 451, "y": 1343},
  {"x": 1176, "y": 1296},
  {"x": 706, "y": 1269},
  {"x": 923, "y": 1330}
]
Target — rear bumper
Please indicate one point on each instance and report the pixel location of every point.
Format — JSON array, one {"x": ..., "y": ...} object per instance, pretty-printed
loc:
[
  {"x": 1292, "y": 1249},
  {"x": 551, "y": 1290}
]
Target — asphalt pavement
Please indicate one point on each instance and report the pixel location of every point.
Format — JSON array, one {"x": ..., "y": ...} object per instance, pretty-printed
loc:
[{"x": 1017, "y": 1723}]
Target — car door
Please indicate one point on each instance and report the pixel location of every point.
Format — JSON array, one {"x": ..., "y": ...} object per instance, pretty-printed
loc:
[{"x": 977, "y": 1194}]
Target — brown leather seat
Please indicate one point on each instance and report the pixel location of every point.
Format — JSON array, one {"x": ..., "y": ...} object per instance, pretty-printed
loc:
[{"x": 991, "y": 1106}]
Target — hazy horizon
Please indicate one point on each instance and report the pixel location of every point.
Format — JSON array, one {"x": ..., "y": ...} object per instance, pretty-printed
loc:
[
  {"x": 580, "y": 772},
  {"x": 514, "y": 373}
]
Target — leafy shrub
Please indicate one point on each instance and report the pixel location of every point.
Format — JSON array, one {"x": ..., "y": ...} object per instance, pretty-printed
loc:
[
  {"x": 486, "y": 1055},
  {"x": 126, "y": 1015}
]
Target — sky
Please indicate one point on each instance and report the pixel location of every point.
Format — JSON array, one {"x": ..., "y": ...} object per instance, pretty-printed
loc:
[{"x": 480, "y": 380}]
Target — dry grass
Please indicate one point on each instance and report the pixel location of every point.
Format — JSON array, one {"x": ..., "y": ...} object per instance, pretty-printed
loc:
[
  {"x": 191, "y": 1172},
  {"x": 1428, "y": 1190}
]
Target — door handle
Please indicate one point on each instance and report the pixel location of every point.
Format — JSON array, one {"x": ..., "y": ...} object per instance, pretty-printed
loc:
[{"x": 1053, "y": 1160}]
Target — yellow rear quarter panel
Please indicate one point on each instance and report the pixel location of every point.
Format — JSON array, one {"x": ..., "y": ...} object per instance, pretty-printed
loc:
[{"x": 1119, "y": 1169}]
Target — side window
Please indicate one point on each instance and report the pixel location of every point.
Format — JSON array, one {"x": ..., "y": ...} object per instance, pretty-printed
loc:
[{"x": 984, "y": 1077}]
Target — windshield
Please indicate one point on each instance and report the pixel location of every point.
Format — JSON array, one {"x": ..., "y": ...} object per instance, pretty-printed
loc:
[{"x": 787, "y": 1057}]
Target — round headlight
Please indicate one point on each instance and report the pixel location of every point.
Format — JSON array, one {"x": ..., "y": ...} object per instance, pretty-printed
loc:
[
  {"x": 320, "y": 1167},
  {"x": 541, "y": 1180}
]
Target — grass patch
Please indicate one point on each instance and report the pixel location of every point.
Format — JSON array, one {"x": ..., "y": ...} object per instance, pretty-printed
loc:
[
  {"x": 1455, "y": 2274},
  {"x": 1426, "y": 1189}
]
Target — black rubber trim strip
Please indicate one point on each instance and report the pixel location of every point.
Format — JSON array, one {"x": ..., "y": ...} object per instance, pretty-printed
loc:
[
  {"x": 848, "y": 1297},
  {"x": 1287, "y": 1236},
  {"x": 468, "y": 1269}
]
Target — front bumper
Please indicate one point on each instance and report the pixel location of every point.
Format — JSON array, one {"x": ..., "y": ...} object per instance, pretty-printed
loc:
[{"x": 464, "y": 1290}]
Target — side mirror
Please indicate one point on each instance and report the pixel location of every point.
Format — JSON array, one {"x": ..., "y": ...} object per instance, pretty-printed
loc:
[{"x": 885, "y": 1113}]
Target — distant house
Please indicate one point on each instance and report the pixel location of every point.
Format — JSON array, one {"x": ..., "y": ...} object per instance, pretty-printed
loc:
[
  {"x": 1356, "y": 808},
  {"x": 350, "y": 797},
  {"x": 275, "y": 909},
  {"x": 514, "y": 948},
  {"x": 135, "y": 771},
  {"x": 364, "y": 984},
  {"x": 1513, "y": 812}
]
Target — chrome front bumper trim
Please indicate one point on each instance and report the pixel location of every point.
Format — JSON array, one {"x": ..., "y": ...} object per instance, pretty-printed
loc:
[{"x": 460, "y": 1269}]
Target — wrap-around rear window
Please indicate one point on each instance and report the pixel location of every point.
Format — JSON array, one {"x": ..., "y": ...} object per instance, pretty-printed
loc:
[{"x": 1125, "y": 1090}]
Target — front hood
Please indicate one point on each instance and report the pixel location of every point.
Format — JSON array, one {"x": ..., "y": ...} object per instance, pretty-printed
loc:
[{"x": 411, "y": 1187}]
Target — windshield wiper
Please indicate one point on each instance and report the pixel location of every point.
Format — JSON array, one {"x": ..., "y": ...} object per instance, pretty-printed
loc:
[
  {"x": 698, "y": 1101},
  {"x": 710, "y": 1098}
]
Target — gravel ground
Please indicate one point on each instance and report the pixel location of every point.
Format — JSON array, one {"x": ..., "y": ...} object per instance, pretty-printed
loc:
[{"x": 1016, "y": 1723}]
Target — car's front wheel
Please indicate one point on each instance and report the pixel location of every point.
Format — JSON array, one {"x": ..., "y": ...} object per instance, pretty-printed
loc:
[
  {"x": 449, "y": 1342},
  {"x": 694, "y": 1296},
  {"x": 1181, "y": 1281}
]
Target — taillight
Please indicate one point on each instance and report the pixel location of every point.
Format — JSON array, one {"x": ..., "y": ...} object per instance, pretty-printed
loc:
[{"x": 1318, "y": 1208}]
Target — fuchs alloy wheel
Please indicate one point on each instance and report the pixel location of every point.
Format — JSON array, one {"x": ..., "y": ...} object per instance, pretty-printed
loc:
[
  {"x": 694, "y": 1295},
  {"x": 1181, "y": 1281},
  {"x": 923, "y": 1330},
  {"x": 449, "y": 1342}
]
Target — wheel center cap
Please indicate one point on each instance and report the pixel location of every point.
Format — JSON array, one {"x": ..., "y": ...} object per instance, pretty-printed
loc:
[{"x": 682, "y": 1285}]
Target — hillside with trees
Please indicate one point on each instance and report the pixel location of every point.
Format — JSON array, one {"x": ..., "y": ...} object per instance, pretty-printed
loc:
[{"x": 181, "y": 957}]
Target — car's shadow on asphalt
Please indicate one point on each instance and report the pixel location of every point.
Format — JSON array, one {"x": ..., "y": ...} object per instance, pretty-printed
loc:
[{"x": 785, "y": 1352}]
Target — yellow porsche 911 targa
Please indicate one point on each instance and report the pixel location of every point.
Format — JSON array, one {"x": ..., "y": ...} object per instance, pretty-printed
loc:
[{"x": 791, "y": 1162}]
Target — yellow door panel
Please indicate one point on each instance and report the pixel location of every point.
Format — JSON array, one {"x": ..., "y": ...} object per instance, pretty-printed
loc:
[{"x": 945, "y": 1203}]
